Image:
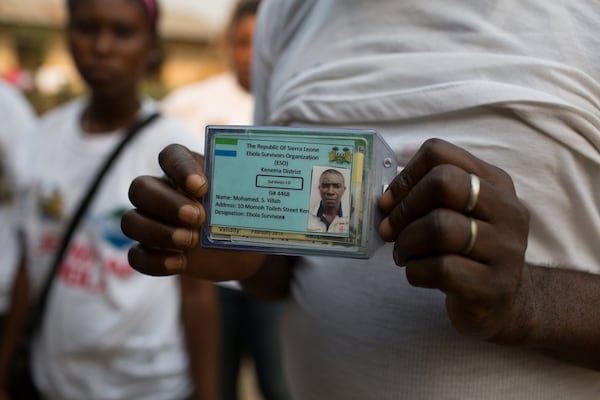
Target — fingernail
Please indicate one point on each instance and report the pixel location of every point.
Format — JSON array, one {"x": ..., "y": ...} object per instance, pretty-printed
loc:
[
  {"x": 190, "y": 214},
  {"x": 397, "y": 260},
  {"x": 183, "y": 237},
  {"x": 385, "y": 229},
  {"x": 175, "y": 263},
  {"x": 196, "y": 184}
]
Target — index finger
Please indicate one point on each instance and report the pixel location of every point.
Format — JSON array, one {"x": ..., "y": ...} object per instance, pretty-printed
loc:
[
  {"x": 432, "y": 154},
  {"x": 185, "y": 169}
]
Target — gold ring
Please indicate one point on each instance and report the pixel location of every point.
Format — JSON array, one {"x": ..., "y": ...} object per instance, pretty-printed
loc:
[
  {"x": 472, "y": 238},
  {"x": 473, "y": 194}
]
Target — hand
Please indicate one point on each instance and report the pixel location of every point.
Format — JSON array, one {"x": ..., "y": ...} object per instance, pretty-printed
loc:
[
  {"x": 167, "y": 221},
  {"x": 476, "y": 256}
]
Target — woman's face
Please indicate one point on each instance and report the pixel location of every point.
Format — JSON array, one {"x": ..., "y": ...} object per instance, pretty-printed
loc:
[{"x": 111, "y": 42}]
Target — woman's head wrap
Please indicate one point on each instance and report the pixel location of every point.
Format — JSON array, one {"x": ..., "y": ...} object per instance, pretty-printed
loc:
[{"x": 152, "y": 11}]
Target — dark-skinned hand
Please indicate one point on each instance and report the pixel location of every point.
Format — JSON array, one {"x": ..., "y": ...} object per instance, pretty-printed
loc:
[
  {"x": 424, "y": 208},
  {"x": 166, "y": 223}
]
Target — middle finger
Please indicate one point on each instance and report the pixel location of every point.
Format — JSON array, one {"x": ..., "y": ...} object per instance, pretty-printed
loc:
[{"x": 151, "y": 233}]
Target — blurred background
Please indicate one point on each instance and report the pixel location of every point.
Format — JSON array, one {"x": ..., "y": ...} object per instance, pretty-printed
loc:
[
  {"x": 34, "y": 58},
  {"x": 33, "y": 55}
]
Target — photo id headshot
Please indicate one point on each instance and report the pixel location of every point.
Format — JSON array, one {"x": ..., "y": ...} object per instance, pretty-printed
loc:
[{"x": 329, "y": 210}]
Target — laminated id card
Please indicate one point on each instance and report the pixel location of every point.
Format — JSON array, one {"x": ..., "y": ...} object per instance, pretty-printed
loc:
[{"x": 295, "y": 191}]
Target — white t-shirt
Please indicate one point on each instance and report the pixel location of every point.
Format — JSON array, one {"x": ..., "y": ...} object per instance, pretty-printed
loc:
[
  {"x": 516, "y": 83},
  {"x": 108, "y": 332},
  {"x": 17, "y": 121},
  {"x": 218, "y": 100}
]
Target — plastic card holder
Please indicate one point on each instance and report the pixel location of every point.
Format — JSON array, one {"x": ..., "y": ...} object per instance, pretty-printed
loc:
[{"x": 295, "y": 191}]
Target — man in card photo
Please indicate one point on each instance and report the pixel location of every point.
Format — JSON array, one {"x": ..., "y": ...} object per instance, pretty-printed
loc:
[{"x": 330, "y": 213}]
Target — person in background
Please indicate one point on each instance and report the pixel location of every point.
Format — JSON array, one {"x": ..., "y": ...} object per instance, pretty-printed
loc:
[
  {"x": 250, "y": 326},
  {"x": 108, "y": 332},
  {"x": 18, "y": 120},
  {"x": 225, "y": 98}
]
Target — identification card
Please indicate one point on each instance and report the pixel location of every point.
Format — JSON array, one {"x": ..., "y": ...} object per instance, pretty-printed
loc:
[{"x": 295, "y": 191}]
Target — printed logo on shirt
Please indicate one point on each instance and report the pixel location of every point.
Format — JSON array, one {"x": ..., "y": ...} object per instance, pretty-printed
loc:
[
  {"x": 110, "y": 226},
  {"x": 50, "y": 202},
  {"x": 89, "y": 270},
  {"x": 90, "y": 266}
]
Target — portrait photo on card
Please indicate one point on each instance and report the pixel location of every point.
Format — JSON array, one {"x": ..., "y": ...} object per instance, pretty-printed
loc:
[{"x": 329, "y": 211}]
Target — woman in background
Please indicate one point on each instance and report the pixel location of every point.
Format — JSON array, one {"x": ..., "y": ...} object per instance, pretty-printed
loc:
[{"x": 101, "y": 336}]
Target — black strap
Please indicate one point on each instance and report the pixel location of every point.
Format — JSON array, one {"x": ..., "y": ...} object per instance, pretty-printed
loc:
[{"x": 37, "y": 312}]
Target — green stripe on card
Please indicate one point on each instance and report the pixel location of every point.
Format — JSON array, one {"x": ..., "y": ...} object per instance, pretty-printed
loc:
[{"x": 226, "y": 141}]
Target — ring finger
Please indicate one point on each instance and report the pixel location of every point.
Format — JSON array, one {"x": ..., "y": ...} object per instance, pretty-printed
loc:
[{"x": 154, "y": 234}]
